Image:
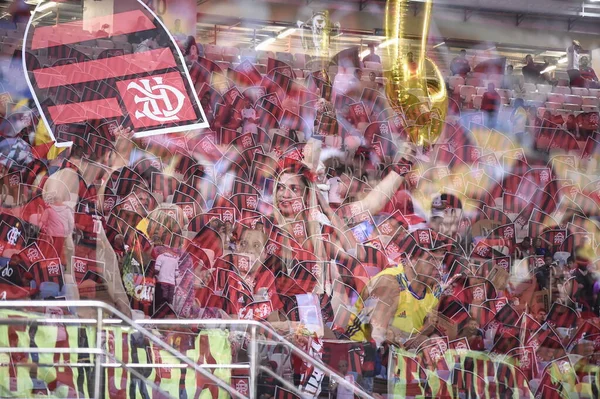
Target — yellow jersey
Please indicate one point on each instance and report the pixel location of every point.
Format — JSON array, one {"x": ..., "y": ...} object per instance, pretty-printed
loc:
[{"x": 392, "y": 286}]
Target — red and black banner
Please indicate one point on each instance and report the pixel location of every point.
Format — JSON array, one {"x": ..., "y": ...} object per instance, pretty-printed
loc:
[{"x": 147, "y": 89}]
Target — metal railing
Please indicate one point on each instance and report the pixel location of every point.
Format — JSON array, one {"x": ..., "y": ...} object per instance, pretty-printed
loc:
[{"x": 254, "y": 367}]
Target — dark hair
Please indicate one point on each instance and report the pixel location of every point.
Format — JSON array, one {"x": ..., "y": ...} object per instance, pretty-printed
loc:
[
  {"x": 519, "y": 103},
  {"x": 187, "y": 45}
]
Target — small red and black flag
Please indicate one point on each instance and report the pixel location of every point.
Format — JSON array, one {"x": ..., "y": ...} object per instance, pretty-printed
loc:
[{"x": 152, "y": 88}]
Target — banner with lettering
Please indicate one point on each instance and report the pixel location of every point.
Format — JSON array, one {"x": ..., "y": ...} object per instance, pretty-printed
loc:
[{"x": 120, "y": 345}]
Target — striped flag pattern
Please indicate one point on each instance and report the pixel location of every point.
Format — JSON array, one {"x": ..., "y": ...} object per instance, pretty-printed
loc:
[{"x": 152, "y": 87}]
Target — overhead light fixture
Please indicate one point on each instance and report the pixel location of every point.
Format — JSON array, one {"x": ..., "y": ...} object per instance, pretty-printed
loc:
[
  {"x": 563, "y": 60},
  {"x": 285, "y": 33},
  {"x": 387, "y": 43},
  {"x": 265, "y": 44},
  {"x": 46, "y": 6},
  {"x": 439, "y": 44},
  {"x": 549, "y": 69}
]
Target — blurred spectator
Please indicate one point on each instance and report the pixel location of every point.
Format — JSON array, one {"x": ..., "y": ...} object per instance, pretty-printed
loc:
[
  {"x": 343, "y": 392},
  {"x": 372, "y": 57},
  {"x": 518, "y": 118},
  {"x": 190, "y": 49},
  {"x": 540, "y": 316},
  {"x": 524, "y": 249},
  {"x": 545, "y": 272},
  {"x": 412, "y": 65},
  {"x": 249, "y": 118},
  {"x": 531, "y": 72},
  {"x": 58, "y": 221},
  {"x": 460, "y": 65},
  {"x": 228, "y": 118},
  {"x": 473, "y": 334},
  {"x": 573, "y": 61},
  {"x": 537, "y": 246},
  {"x": 356, "y": 84},
  {"x": 166, "y": 266},
  {"x": 513, "y": 82},
  {"x": 584, "y": 290},
  {"x": 19, "y": 11},
  {"x": 266, "y": 383},
  {"x": 120, "y": 248},
  {"x": 177, "y": 32},
  {"x": 490, "y": 104},
  {"x": 573, "y": 55},
  {"x": 368, "y": 365},
  {"x": 372, "y": 84},
  {"x": 588, "y": 73},
  {"x": 149, "y": 43}
]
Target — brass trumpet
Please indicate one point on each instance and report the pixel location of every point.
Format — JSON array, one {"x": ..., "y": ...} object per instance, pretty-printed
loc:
[{"x": 427, "y": 125}]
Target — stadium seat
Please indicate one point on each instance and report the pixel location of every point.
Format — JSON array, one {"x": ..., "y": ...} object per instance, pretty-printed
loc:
[
  {"x": 505, "y": 94},
  {"x": 263, "y": 56},
  {"x": 534, "y": 103},
  {"x": 556, "y": 98},
  {"x": 529, "y": 87},
  {"x": 553, "y": 106},
  {"x": 373, "y": 65},
  {"x": 89, "y": 51},
  {"x": 477, "y": 102},
  {"x": 544, "y": 88},
  {"x": 300, "y": 60},
  {"x": 580, "y": 91},
  {"x": 223, "y": 64},
  {"x": 594, "y": 92},
  {"x": 299, "y": 73},
  {"x": 573, "y": 99},
  {"x": 572, "y": 107},
  {"x": 540, "y": 112},
  {"x": 536, "y": 96},
  {"x": 231, "y": 54},
  {"x": 590, "y": 101},
  {"x": 466, "y": 93},
  {"x": 481, "y": 90},
  {"x": 589, "y": 108},
  {"x": 249, "y": 54},
  {"x": 120, "y": 39},
  {"x": 564, "y": 113},
  {"x": 478, "y": 75},
  {"x": 562, "y": 90},
  {"x": 285, "y": 57},
  {"x": 125, "y": 46},
  {"x": 455, "y": 81},
  {"x": 105, "y": 43},
  {"x": 213, "y": 53},
  {"x": 475, "y": 82}
]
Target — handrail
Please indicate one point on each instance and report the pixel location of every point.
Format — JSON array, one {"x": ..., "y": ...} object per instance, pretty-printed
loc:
[
  {"x": 147, "y": 334},
  {"x": 137, "y": 324}
]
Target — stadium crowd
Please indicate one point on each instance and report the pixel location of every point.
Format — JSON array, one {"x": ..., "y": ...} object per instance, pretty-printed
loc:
[{"x": 469, "y": 267}]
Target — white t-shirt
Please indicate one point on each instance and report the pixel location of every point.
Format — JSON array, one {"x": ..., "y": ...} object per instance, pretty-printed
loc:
[
  {"x": 343, "y": 392},
  {"x": 573, "y": 58},
  {"x": 166, "y": 264},
  {"x": 249, "y": 113}
]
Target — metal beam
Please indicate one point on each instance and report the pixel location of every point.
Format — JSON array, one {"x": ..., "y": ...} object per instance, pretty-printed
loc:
[
  {"x": 362, "y": 4},
  {"x": 520, "y": 18},
  {"x": 468, "y": 14},
  {"x": 570, "y": 23}
]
